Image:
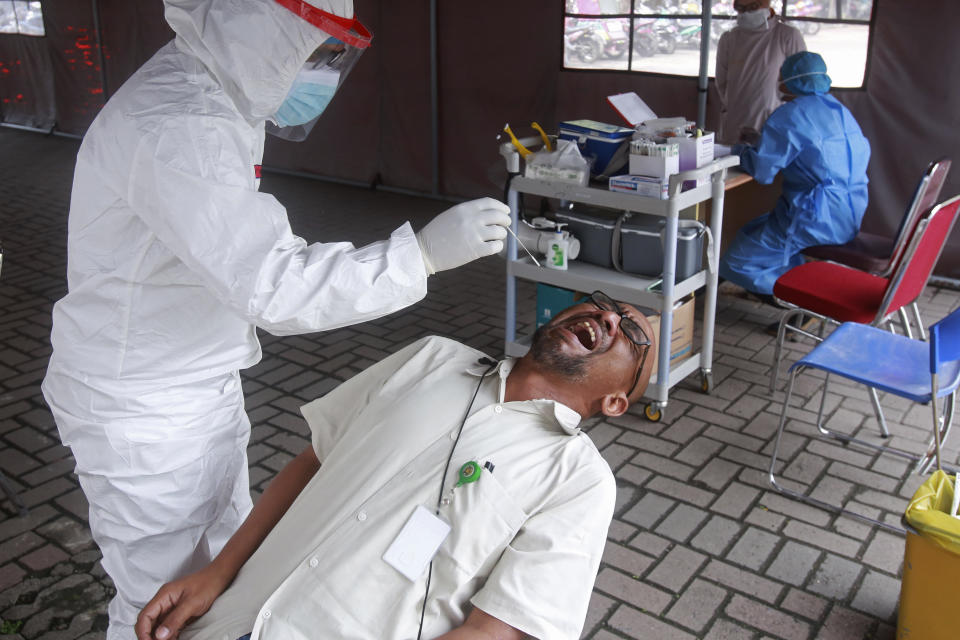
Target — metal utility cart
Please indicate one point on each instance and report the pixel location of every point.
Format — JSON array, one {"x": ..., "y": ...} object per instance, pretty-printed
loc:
[{"x": 627, "y": 287}]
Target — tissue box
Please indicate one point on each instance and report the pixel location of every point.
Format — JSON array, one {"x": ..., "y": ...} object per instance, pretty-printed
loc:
[
  {"x": 695, "y": 153},
  {"x": 649, "y": 186}
]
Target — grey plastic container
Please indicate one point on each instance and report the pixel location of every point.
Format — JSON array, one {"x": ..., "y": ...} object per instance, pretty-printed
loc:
[
  {"x": 642, "y": 248},
  {"x": 595, "y": 233}
]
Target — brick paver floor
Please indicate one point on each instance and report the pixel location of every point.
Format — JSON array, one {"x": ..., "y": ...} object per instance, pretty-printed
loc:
[{"x": 700, "y": 546}]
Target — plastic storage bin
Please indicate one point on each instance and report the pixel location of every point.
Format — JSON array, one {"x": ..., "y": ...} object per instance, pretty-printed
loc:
[
  {"x": 595, "y": 233},
  {"x": 606, "y": 144},
  {"x": 641, "y": 248}
]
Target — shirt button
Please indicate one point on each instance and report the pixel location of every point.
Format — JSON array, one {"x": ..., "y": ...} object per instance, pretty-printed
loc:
[
  {"x": 314, "y": 562},
  {"x": 266, "y": 613},
  {"x": 362, "y": 516},
  {"x": 453, "y": 435},
  {"x": 498, "y": 409}
]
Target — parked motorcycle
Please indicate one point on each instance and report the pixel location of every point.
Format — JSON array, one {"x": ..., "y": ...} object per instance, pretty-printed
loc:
[
  {"x": 581, "y": 41},
  {"x": 645, "y": 40},
  {"x": 806, "y": 9}
]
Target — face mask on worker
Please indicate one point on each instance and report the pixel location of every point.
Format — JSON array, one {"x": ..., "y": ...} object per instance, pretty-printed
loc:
[
  {"x": 754, "y": 20},
  {"x": 317, "y": 82}
]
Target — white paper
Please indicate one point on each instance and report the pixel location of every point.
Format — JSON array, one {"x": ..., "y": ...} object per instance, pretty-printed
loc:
[
  {"x": 633, "y": 109},
  {"x": 417, "y": 543}
]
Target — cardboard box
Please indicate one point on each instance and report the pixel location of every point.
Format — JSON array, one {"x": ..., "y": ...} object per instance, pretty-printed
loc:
[
  {"x": 696, "y": 153},
  {"x": 681, "y": 343},
  {"x": 552, "y": 300},
  {"x": 648, "y": 186},
  {"x": 659, "y": 167}
]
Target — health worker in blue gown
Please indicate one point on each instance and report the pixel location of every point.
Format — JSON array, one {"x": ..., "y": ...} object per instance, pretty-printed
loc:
[{"x": 816, "y": 143}]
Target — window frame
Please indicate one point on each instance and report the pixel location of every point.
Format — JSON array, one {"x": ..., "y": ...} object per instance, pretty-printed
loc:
[{"x": 783, "y": 13}]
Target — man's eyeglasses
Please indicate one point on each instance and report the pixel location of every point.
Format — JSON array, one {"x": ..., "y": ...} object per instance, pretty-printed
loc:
[{"x": 629, "y": 328}]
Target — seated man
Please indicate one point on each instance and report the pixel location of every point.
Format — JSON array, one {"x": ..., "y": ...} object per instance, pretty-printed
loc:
[{"x": 439, "y": 432}]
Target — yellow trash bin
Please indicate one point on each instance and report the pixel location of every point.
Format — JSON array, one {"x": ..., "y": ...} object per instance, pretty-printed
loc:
[{"x": 931, "y": 566}]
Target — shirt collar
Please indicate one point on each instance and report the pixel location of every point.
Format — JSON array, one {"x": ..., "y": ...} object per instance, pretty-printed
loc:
[{"x": 567, "y": 418}]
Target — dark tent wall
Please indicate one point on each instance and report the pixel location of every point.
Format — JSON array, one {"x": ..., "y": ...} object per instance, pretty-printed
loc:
[{"x": 500, "y": 62}]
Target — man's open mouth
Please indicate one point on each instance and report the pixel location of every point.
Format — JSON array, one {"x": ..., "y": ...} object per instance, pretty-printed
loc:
[{"x": 586, "y": 334}]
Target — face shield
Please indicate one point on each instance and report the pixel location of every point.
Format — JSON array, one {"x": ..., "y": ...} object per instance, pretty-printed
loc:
[{"x": 321, "y": 75}]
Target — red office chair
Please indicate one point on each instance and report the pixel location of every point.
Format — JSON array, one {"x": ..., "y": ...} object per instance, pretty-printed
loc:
[
  {"x": 836, "y": 293},
  {"x": 879, "y": 254}
]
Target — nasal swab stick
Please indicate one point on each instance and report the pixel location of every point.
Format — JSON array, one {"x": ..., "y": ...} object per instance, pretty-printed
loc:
[{"x": 520, "y": 242}]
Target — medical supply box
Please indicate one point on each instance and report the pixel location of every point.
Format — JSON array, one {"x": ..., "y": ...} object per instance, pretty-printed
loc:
[
  {"x": 695, "y": 152},
  {"x": 641, "y": 244},
  {"x": 606, "y": 144},
  {"x": 646, "y": 186}
]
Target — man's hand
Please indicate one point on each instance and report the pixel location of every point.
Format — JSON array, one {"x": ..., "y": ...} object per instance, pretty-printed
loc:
[{"x": 179, "y": 602}]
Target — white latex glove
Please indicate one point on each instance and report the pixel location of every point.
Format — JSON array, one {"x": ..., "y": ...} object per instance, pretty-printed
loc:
[{"x": 464, "y": 233}]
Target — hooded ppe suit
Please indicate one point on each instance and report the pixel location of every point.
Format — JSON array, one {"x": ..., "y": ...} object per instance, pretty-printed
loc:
[
  {"x": 816, "y": 143},
  {"x": 174, "y": 259},
  {"x": 747, "y": 64}
]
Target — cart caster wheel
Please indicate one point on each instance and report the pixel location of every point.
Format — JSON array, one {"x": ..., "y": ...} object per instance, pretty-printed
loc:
[
  {"x": 653, "y": 413},
  {"x": 706, "y": 382}
]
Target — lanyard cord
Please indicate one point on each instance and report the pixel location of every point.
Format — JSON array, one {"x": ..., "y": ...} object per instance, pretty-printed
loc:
[{"x": 443, "y": 477}]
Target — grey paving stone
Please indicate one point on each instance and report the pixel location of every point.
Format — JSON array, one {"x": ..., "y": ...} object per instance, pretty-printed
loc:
[
  {"x": 728, "y": 630},
  {"x": 741, "y": 580},
  {"x": 636, "y": 624},
  {"x": 697, "y": 605},
  {"x": 676, "y": 568},
  {"x": 844, "y": 624},
  {"x": 631, "y": 590},
  {"x": 681, "y": 523},
  {"x": 878, "y": 595},
  {"x": 804, "y": 604},
  {"x": 767, "y": 619},
  {"x": 648, "y": 510},
  {"x": 735, "y": 500},
  {"x": 885, "y": 552},
  {"x": 834, "y": 577},
  {"x": 752, "y": 548},
  {"x": 793, "y": 563},
  {"x": 716, "y": 535}
]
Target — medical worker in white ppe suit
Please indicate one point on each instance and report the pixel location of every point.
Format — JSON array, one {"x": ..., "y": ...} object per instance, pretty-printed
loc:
[{"x": 174, "y": 259}]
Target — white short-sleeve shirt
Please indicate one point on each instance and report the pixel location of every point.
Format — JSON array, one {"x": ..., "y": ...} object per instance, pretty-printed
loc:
[{"x": 525, "y": 542}]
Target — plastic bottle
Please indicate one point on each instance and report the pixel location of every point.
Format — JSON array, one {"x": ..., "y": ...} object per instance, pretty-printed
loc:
[{"x": 559, "y": 247}]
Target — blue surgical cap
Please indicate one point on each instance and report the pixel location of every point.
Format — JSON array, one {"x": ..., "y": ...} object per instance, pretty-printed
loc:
[{"x": 805, "y": 73}]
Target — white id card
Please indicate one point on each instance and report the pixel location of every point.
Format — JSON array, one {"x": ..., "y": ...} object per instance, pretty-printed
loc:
[{"x": 417, "y": 543}]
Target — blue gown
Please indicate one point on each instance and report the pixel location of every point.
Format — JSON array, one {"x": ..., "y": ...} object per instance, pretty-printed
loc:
[{"x": 816, "y": 143}]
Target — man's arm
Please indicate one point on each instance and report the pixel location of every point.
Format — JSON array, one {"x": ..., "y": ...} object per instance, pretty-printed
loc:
[
  {"x": 482, "y": 626},
  {"x": 180, "y": 601}
]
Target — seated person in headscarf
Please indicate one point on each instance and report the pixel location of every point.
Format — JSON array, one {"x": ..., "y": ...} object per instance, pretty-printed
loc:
[
  {"x": 434, "y": 435},
  {"x": 815, "y": 141}
]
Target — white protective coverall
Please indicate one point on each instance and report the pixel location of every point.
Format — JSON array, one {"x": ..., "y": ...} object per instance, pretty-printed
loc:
[
  {"x": 173, "y": 259},
  {"x": 748, "y": 63}
]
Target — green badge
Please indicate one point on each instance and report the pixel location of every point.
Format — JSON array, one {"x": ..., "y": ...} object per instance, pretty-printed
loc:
[{"x": 469, "y": 472}]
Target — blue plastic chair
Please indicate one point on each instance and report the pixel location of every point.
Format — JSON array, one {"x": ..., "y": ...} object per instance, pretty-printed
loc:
[{"x": 886, "y": 362}]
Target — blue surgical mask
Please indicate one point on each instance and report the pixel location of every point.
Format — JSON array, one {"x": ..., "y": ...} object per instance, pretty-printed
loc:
[
  {"x": 753, "y": 20},
  {"x": 305, "y": 102}
]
